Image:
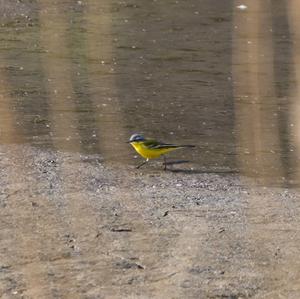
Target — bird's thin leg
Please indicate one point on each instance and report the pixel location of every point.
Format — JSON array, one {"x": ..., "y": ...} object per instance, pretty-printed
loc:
[
  {"x": 165, "y": 163},
  {"x": 139, "y": 166}
]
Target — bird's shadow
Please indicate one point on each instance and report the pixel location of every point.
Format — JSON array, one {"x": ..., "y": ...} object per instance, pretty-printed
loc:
[{"x": 194, "y": 170}]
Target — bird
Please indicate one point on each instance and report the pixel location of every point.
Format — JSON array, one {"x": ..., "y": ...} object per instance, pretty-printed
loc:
[{"x": 151, "y": 148}]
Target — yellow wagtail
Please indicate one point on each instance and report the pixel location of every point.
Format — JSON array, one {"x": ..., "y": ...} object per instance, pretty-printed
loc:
[{"x": 150, "y": 148}]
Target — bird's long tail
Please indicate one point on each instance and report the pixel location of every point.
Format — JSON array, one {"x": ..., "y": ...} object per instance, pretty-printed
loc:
[
  {"x": 187, "y": 145},
  {"x": 173, "y": 146}
]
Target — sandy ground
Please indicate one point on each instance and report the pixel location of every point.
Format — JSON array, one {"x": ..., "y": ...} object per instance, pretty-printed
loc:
[{"x": 73, "y": 227}]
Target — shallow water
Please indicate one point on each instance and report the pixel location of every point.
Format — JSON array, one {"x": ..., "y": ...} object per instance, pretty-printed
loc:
[{"x": 83, "y": 76}]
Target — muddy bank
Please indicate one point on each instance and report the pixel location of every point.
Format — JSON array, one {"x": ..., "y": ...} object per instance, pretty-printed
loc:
[{"x": 74, "y": 227}]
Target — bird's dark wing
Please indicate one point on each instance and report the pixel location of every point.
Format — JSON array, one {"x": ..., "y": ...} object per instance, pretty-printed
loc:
[{"x": 154, "y": 144}]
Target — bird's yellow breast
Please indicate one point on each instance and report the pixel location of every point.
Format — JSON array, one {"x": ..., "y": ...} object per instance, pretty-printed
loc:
[{"x": 150, "y": 153}]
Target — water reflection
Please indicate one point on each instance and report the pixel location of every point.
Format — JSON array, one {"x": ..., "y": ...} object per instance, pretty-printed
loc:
[
  {"x": 256, "y": 105},
  {"x": 83, "y": 76},
  {"x": 294, "y": 115},
  {"x": 264, "y": 84},
  {"x": 58, "y": 85},
  {"x": 8, "y": 120}
]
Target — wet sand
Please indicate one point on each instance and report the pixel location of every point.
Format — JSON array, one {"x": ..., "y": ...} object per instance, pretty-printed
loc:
[{"x": 73, "y": 227}]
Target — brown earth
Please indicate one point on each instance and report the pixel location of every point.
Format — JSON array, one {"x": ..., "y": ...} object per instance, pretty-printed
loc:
[{"x": 73, "y": 227}]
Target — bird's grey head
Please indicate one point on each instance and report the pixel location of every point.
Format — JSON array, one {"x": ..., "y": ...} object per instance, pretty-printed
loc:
[{"x": 136, "y": 138}]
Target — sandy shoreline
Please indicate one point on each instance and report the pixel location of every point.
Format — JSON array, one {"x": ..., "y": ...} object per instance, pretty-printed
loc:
[{"x": 72, "y": 227}]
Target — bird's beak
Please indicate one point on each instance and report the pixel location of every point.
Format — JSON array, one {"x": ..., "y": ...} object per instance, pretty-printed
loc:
[{"x": 128, "y": 142}]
